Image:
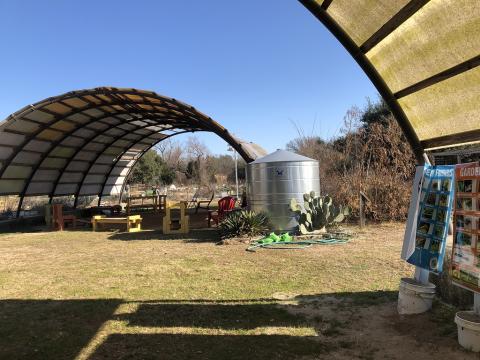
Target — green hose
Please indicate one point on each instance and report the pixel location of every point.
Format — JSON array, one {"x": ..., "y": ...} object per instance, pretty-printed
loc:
[{"x": 287, "y": 242}]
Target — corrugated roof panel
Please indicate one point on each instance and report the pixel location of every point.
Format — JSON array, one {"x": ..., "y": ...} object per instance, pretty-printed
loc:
[
  {"x": 39, "y": 188},
  {"x": 11, "y": 187},
  {"x": 440, "y": 36},
  {"x": 446, "y": 108},
  {"x": 17, "y": 172},
  {"x": 352, "y": 15}
]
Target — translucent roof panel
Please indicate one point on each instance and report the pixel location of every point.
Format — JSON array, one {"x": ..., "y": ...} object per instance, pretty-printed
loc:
[
  {"x": 86, "y": 142},
  {"x": 435, "y": 109},
  {"x": 440, "y": 36},
  {"x": 351, "y": 15},
  {"x": 422, "y": 56}
]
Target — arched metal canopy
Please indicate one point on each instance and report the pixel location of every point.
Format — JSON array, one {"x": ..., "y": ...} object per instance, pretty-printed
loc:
[
  {"x": 86, "y": 142},
  {"x": 423, "y": 56}
]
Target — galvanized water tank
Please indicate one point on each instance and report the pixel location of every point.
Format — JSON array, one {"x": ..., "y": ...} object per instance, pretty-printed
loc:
[{"x": 273, "y": 180}]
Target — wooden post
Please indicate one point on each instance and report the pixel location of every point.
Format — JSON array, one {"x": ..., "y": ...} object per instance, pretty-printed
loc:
[
  {"x": 362, "y": 212},
  {"x": 363, "y": 199}
]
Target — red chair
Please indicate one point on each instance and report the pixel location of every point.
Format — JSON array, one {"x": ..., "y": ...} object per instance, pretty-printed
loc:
[
  {"x": 225, "y": 206},
  {"x": 59, "y": 219}
]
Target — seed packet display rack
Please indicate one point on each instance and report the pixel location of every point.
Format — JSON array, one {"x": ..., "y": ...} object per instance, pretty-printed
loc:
[
  {"x": 436, "y": 197},
  {"x": 465, "y": 267}
]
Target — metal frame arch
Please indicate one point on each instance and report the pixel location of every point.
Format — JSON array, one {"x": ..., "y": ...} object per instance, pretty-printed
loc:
[
  {"x": 81, "y": 147},
  {"x": 155, "y": 113}
]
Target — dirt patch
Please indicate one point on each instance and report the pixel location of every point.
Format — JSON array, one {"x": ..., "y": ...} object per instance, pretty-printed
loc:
[{"x": 355, "y": 327}]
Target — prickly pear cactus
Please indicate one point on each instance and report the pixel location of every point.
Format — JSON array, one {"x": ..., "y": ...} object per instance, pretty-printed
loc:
[{"x": 317, "y": 213}]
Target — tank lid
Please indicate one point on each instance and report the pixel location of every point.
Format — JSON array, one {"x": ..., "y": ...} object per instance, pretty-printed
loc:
[{"x": 281, "y": 156}]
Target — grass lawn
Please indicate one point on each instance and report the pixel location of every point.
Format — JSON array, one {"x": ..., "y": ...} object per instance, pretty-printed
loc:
[{"x": 86, "y": 295}]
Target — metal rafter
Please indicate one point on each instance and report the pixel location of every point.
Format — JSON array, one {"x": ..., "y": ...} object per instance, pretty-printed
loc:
[
  {"x": 71, "y": 158},
  {"x": 444, "y": 75},
  {"x": 92, "y": 163},
  {"x": 391, "y": 25},
  {"x": 138, "y": 158},
  {"x": 107, "y": 145}
]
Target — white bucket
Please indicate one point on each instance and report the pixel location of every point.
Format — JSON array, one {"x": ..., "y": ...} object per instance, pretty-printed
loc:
[
  {"x": 468, "y": 330},
  {"x": 414, "y": 297}
]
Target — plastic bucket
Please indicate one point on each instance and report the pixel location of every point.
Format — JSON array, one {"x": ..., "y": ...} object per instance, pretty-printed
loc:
[
  {"x": 414, "y": 297},
  {"x": 468, "y": 330}
]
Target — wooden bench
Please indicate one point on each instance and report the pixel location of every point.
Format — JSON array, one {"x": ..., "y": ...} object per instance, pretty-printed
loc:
[{"x": 133, "y": 222}]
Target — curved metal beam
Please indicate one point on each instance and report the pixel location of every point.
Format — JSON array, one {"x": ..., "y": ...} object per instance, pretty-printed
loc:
[{"x": 163, "y": 111}]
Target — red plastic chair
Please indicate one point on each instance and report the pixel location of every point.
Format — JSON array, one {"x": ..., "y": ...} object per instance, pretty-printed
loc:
[{"x": 225, "y": 206}]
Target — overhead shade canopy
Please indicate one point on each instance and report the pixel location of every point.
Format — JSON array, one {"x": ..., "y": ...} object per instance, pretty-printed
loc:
[
  {"x": 86, "y": 142},
  {"x": 422, "y": 56}
]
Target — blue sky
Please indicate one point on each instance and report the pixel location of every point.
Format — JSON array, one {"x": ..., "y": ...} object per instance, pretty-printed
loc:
[{"x": 254, "y": 66}]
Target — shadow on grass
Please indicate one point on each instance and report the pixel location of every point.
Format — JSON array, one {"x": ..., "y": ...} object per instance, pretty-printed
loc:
[
  {"x": 213, "y": 316},
  {"x": 60, "y": 329},
  {"x": 194, "y": 236},
  {"x": 50, "y": 329},
  {"x": 232, "y": 347},
  {"x": 362, "y": 298}
]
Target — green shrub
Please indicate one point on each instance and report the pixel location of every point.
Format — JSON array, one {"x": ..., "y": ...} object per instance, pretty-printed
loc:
[{"x": 243, "y": 223}]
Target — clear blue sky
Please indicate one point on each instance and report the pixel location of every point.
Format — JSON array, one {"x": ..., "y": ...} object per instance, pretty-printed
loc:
[{"x": 254, "y": 65}]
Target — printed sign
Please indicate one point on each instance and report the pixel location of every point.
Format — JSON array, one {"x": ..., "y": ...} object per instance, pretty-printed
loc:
[
  {"x": 429, "y": 217},
  {"x": 465, "y": 268}
]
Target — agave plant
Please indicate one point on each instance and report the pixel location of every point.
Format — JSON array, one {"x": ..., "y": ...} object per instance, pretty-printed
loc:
[
  {"x": 318, "y": 213},
  {"x": 243, "y": 223}
]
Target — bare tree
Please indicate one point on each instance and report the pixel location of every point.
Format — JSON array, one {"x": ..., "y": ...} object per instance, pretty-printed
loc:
[
  {"x": 196, "y": 148},
  {"x": 197, "y": 152},
  {"x": 172, "y": 153}
]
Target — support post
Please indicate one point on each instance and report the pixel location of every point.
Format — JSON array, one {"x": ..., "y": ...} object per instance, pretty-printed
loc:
[
  {"x": 236, "y": 170},
  {"x": 363, "y": 200},
  {"x": 476, "y": 303},
  {"x": 19, "y": 207},
  {"x": 362, "y": 211}
]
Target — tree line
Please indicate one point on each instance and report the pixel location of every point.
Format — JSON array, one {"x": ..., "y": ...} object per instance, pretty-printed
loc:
[
  {"x": 371, "y": 155},
  {"x": 190, "y": 163}
]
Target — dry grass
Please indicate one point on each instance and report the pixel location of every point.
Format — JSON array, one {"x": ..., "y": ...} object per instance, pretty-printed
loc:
[
  {"x": 111, "y": 295},
  {"x": 86, "y": 265}
]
